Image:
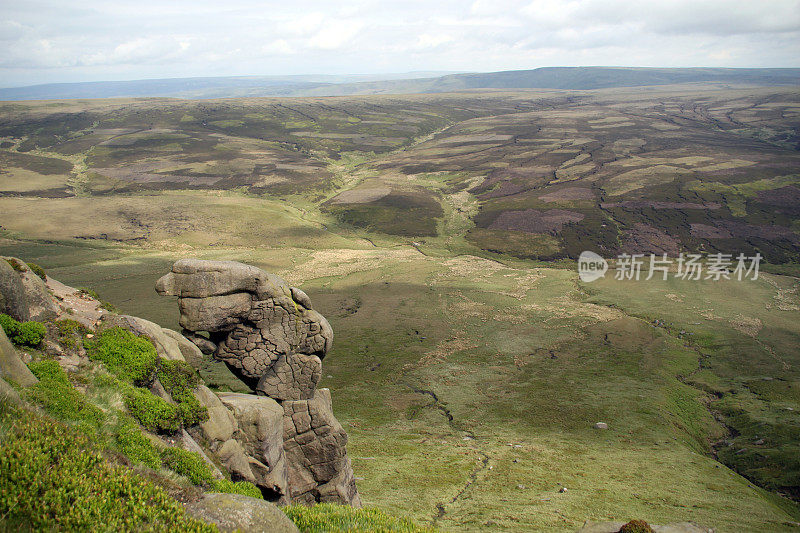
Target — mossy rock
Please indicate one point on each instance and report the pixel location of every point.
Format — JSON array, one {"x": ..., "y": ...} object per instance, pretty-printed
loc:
[{"x": 231, "y": 512}]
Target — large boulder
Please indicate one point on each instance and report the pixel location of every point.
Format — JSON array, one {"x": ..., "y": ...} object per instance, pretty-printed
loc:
[
  {"x": 41, "y": 304},
  {"x": 11, "y": 366},
  {"x": 235, "y": 512},
  {"x": 263, "y": 329},
  {"x": 13, "y": 297},
  {"x": 260, "y": 433},
  {"x": 315, "y": 446}
]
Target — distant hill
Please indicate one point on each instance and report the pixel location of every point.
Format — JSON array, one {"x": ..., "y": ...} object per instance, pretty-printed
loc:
[{"x": 582, "y": 78}]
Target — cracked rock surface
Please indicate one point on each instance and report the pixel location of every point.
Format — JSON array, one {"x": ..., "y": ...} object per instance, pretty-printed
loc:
[
  {"x": 284, "y": 438},
  {"x": 263, "y": 329}
]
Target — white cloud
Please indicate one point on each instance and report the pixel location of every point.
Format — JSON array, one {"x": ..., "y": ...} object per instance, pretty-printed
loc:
[{"x": 66, "y": 40}]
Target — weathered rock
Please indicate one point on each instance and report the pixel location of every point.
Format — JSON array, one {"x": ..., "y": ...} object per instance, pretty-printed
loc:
[
  {"x": 220, "y": 424},
  {"x": 13, "y": 297},
  {"x": 267, "y": 334},
  {"x": 11, "y": 366},
  {"x": 315, "y": 445},
  {"x": 41, "y": 304},
  {"x": 191, "y": 353},
  {"x": 235, "y": 512},
  {"x": 166, "y": 346},
  {"x": 236, "y": 461},
  {"x": 76, "y": 305},
  {"x": 260, "y": 433},
  {"x": 206, "y": 346},
  {"x": 264, "y": 330}
]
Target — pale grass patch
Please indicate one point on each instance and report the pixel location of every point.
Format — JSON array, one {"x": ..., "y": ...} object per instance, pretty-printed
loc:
[
  {"x": 344, "y": 261},
  {"x": 748, "y": 325}
]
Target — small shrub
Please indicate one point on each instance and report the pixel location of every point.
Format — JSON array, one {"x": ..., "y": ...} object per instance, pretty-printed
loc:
[
  {"x": 126, "y": 355},
  {"x": 9, "y": 325},
  {"x": 16, "y": 265},
  {"x": 59, "y": 398},
  {"x": 187, "y": 464},
  {"x": 52, "y": 478},
  {"x": 108, "y": 306},
  {"x": 86, "y": 291},
  {"x": 67, "y": 331},
  {"x": 152, "y": 412},
  {"x": 636, "y": 526},
  {"x": 178, "y": 379},
  {"x": 329, "y": 517},
  {"x": 24, "y": 333},
  {"x": 39, "y": 271},
  {"x": 245, "y": 488},
  {"x": 30, "y": 334}
]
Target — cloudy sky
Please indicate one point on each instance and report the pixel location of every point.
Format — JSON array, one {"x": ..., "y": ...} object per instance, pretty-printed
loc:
[{"x": 47, "y": 41}]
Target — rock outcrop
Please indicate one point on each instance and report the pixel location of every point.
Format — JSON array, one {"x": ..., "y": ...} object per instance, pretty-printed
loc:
[
  {"x": 13, "y": 298},
  {"x": 284, "y": 438},
  {"x": 11, "y": 366}
]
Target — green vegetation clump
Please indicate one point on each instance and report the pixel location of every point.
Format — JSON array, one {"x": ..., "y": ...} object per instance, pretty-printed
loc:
[
  {"x": 636, "y": 526},
  {"x": 188, "y": 464},
  {"x": 178, "y": 379},
  {"x": 58, "y": 397},
  {"x": 245, "y": 488},
  {"x": 52, "y": 477},
  {"x": 126, "y": 355},
  {"x": 16, "y": 265},
  {"x": 152, "y": 412},
  {"x": 329, "y": 517},
  {"x": 91, "y": 293},
  {"x": 39, "y": 271},
  {"x": 67, "y": 331},
  {"x": 23, "y": 333}
]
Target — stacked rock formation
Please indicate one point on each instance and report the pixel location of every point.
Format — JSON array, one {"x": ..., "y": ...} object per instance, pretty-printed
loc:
[{"x": 284, "y": 438}]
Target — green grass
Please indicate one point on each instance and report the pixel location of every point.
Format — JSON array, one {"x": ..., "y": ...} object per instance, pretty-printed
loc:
[
  {"x": 27, "y": 333},
  {"x": 326, "y": 517}
]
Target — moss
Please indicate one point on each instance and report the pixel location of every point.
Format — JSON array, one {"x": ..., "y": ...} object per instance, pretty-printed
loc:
[
  {"x": 16, "y": 265},
  {"x": 39, "y": 271},
  {"x": 329, "y": 517},
  {"x": 244, "y": 488},
  {"x": 129, "y": 357},
  {"x": 636, "y": 526},
  {"x": 152, "y": 412},
  {"x": 188, "y": 464},
  {"x": 59, "y": 398},
  {"x": 89, "y": 292},
  {"x": 54, "y": 478}
]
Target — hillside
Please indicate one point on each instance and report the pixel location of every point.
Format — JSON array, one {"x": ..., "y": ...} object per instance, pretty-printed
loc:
[
  {"x": 573, "y": 78},
  {"x": 437, "y": 233}
]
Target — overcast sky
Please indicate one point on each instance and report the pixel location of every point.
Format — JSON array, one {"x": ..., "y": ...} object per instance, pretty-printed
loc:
[{"x": 47, "y": 41}]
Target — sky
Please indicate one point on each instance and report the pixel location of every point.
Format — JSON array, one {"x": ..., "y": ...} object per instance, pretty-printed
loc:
[{"x": 50, "y": 41}]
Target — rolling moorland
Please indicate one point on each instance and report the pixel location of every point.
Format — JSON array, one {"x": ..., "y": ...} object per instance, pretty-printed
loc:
[{"x": 436, "y": 232}]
